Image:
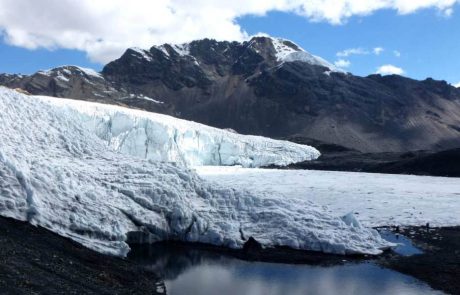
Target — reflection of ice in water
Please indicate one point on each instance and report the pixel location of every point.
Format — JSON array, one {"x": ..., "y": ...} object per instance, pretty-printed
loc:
[
  {"x": 262, "y": 278},
  {"x": 199, "y": 272}
]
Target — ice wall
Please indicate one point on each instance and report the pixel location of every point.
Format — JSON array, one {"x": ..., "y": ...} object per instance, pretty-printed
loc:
[{"x": 163, "y": 138}]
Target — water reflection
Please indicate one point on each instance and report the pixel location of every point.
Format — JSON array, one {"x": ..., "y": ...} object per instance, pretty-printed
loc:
[
  {"x": 192, "y": 271},
  {"x": 405, "y": 246}
]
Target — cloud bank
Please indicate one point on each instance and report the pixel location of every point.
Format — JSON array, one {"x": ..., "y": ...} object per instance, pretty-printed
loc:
[{"x": 105, "y": 28}]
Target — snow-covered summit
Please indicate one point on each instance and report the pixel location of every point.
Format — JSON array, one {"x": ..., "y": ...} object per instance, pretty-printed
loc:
[
  {"x": 56, "y": 173},
  {"x": 288, "y": 51},
  {"x": 284, "y": 51}
]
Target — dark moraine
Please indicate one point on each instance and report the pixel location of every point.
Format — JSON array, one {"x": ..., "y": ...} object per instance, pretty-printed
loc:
[
  {"x": 339, "y": 158},
  {"x": 36, "y": 261}
]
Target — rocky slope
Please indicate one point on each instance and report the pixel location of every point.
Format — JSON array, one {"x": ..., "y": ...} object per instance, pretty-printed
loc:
[
  {"x": 338, "y": 158},
  {"x": 271, "y": 87}
]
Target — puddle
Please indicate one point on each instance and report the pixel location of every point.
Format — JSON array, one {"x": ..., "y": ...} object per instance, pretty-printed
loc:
[
  {"x": 405, "y": 246},
  {"x": 194, "y": 271}
]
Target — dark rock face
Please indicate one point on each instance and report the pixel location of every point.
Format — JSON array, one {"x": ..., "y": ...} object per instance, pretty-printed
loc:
[
  {"x": 79, "y": 83},
  {"x": 251, "y": 88},
  {"x": 338, "y": 158},
  {"x": 444, "y": 163},
  {"x": 67, "y": 81}
]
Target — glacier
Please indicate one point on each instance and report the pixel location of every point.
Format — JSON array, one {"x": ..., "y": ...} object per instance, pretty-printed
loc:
[
  {"x": 164, "y": 138},
  {"x": 58, "y": 173}
]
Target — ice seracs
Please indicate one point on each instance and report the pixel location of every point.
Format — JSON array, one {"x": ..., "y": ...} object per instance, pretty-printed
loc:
[
  {"x": 57, "y": 173},
  {"x": 163, "y": 138}
]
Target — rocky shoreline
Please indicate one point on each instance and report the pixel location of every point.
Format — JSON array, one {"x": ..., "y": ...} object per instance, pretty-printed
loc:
[{"x": 438, "y": 265}]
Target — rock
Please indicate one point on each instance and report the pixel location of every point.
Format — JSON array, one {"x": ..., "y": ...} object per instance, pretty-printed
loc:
[{"x": 251, "y": 246}]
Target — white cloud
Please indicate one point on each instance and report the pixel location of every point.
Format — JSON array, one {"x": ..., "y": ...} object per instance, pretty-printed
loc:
[
  {"x": 397, "y": 53},
  {"x": 352, "y": 51},
  {"x": 342, "y": 63},
  {"x": 338, "y": 11},
  {"x": 389, "y": 70},
  {"x": 457, "y": 85},
  {"x": 378, "y": 50},
  {"x": 104, "y": 28},
  {"x": 448, "y": 12}
]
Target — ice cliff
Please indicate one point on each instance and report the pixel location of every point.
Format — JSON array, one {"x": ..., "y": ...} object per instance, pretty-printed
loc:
[{"x": 164, "y": 138}]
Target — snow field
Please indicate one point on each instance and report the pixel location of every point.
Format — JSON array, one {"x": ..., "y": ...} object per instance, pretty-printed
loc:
[{"x": 376, "y": 199}]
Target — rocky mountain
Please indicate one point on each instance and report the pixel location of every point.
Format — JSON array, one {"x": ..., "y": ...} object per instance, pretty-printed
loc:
[
  {"x": 267, "y": 86},
  {"x": 79, "y": 83}
]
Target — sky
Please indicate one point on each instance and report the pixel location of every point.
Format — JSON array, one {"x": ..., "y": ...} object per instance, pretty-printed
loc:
[{"x": 414, "y": 38}]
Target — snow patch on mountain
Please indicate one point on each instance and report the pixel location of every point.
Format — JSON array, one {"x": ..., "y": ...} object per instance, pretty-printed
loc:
[
  {"x": 181, "y": 49},
  {"x": 65, "y": 72},
  {"x": 164, "y": 138},
  {"x": 288, "y": 51},
  {"x": 144, "y": 54},
  {"x": 150, "y": 99},
  {"x": 89, "y": 72},
  {"x": 283, "y": 47},
  {"x": 56, "y": 173}
]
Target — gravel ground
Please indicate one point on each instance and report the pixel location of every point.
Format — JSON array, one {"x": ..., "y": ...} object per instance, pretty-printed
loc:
[{"x": 36, "y": 261}]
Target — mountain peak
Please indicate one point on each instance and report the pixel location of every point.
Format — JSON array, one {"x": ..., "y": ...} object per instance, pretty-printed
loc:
[
  {"x": 287, "y": 51},
  {"x": 272, "y": 49}
]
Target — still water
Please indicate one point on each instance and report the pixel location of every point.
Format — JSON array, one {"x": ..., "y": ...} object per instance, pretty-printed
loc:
[
  {"x": 405, "y": 246},
  {"x": 192, "y": 271}
]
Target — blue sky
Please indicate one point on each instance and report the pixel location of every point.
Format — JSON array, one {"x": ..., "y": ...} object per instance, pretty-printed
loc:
[
  {"x": 26, "y": 61},
  {"x": 428, "y": 43}
]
